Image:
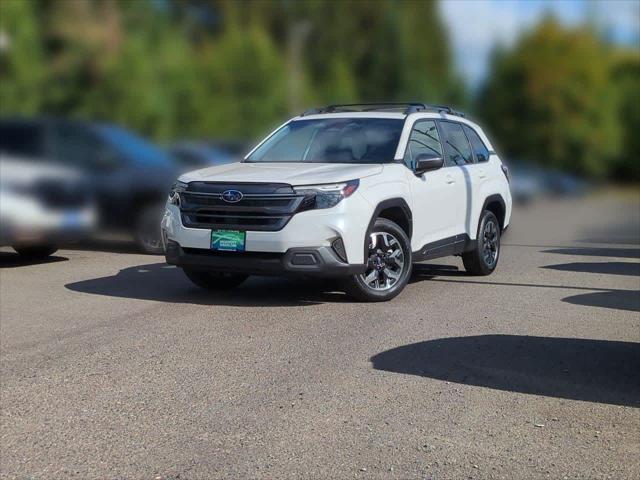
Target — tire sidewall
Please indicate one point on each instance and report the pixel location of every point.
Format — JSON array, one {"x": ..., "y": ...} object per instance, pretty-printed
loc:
[
  {"x": 486, "y": 216},
  {"x": 362, "y": 291}
]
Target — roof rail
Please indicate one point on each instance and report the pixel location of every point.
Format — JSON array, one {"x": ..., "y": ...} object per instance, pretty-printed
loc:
[{"x": 406, "y": 107}]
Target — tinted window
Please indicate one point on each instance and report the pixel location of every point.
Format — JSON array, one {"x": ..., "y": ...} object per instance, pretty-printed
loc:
[
  {"x": 479, "y": 149},
  {"x": 424, "y": 138},
  {"x": 333, "y": 140},
  {"x": 22, "y": 140},
  {"x": 456, "y": 148},
  {"x": 133, "y": 148},
  {"x": 75, "y": 145}
]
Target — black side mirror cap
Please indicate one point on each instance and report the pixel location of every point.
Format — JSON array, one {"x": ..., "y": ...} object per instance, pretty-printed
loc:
[{"x": 426, "y": 162}]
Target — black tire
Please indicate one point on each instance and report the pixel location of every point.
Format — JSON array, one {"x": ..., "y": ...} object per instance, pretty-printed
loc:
[
  {"x": 483, "y": 259},
  {"x": 357, "y": 285},
  {"x": 214, "y": 280},
  {"x": 148, "y": 234},
  {"x": 36, "y": 251}
]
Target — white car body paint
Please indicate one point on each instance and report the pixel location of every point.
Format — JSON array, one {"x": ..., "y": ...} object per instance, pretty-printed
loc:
[{"x": 443, "y": 203}]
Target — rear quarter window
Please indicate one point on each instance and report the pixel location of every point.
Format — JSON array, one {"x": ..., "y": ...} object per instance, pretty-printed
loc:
[
  {"x": 479, "y": 148},
  {"x": 456, "y": 147}
]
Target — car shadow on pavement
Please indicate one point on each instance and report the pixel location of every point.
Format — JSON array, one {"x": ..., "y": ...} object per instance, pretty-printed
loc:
[
  {"x": 597, "y": 252},
  {"x": 605, "y": 268},
  {"x": 165, "y": 283},
  {"x": 427, "y": 271},
  {"x": 108, "y": 246},
  {"x": 597, "y": 297},
  {"x": 616, "y": 299},
  {"x": 570, "y": 368},
  {"x": 13, "y": 260}
]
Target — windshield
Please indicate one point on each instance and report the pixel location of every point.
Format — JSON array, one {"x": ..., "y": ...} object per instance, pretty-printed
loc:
[{"x": 333, "y": 140}]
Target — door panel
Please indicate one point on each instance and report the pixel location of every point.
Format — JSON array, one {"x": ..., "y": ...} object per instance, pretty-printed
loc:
[
  {"x": 436, "y": 194},
  {"x": 459, "y": 155},
  {"x": 436, "y": 205}
]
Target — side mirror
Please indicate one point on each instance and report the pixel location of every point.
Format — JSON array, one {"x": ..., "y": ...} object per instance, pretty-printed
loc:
[{"x": 426, "y": 162}]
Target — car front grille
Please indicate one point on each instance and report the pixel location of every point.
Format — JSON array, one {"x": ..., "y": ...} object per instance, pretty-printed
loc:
[{"x": 263, "y": 207}]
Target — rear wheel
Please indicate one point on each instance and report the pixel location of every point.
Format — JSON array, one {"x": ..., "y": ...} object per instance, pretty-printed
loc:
[
  {"x": 388, "y": 264},
  {"x": 214, "y": 280},
  {"x": 36, "y": 251},
  {"x": 483, "y": 259}
]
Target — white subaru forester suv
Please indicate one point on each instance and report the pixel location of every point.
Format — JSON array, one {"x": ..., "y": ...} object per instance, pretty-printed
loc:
[{"x": 353, "y": 192}]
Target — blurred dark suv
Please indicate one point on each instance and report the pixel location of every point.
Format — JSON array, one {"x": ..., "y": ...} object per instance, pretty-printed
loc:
[{"x": 128, "y": 175}]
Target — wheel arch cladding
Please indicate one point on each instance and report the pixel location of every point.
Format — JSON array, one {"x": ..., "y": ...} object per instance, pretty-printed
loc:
[
  {"x": 397, "y": 210},
  {"x": 496, "y": 205}
]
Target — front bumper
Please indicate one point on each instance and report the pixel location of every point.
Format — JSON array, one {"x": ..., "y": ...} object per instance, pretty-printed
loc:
[
  {"x": 348, "y": 220},
  {"x": 310, "y": 261}
]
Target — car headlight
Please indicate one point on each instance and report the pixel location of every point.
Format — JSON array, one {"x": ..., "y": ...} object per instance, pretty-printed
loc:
[
  {"x": 174, "y": 193},
  {"x": 327, "y": 195}
]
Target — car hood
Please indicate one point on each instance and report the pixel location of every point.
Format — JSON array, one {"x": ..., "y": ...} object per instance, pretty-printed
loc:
[{"x": 291, "y": 173}]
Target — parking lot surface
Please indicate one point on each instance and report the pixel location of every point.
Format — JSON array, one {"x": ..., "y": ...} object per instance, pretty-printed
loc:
[{"x": 115, "y": 366}]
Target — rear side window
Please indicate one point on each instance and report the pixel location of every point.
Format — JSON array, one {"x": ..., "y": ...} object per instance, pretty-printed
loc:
[
  {"x": 424, "y": 138},
  {"x": 479, "y": 149},
  {"x": 21, "y": 140},
  {"x": 456, "y": 148}
]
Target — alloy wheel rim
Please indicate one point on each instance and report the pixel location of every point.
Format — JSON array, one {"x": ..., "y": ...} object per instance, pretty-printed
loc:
[
  {"x": 385, "y": 262},
  {"x": 490, "y": 245}
]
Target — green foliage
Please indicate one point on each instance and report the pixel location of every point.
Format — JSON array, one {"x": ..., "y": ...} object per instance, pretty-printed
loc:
[
  {"x": 217, "y": 68},
  {"x": 626, "y": 83},
  {"x": 245, "y": 82},
  {"x": 23, "y": 73},
  {"x": 551, "y": 101}
]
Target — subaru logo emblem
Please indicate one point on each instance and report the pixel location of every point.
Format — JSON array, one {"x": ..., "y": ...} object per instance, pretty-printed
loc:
[{"x": 231, "y": 196}]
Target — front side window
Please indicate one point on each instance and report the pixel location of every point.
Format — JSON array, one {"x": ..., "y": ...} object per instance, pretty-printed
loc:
[
  {"x": 424, "y": 138},
  {"x": 479, "y": 149},
  {"x": 456, "y": 148},
  {"x": 333, "y": 140}
]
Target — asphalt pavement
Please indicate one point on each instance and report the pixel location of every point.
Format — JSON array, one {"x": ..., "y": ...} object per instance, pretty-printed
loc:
[{"x": 113, "y": 366}]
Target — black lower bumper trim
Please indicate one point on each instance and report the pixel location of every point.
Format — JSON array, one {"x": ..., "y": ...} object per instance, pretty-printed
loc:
[{"x": 316, "y": 261}]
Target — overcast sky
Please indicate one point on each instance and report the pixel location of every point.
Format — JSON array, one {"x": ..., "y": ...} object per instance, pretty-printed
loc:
[{"x": 476, "y": 26}]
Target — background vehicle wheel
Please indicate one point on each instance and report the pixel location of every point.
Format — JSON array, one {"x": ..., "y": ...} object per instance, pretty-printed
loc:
[
  {"x": 148, "y": 233},
  {"x": 482, "y": 260},
  {"x": 214, "y": 280},
  {"x": 36, "y": 251},
  {"x": 388, "y": 264}
]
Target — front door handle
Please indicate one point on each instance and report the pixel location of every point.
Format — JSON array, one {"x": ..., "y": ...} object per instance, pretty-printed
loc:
[
  {"x": 482, "y": 174},
  {"x": 449, "y": 179}
]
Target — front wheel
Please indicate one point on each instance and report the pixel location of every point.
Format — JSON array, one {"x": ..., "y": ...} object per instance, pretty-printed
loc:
[
  {"x": 388, "y": 264},
  {"x": 483, "y": 259},
  {"x": 214, "y": 280}
]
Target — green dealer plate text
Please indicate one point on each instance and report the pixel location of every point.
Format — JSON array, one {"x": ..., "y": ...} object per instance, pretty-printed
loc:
[{"x": 228, "y": 240}]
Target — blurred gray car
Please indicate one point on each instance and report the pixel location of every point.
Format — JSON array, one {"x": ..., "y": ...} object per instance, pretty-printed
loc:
[{"x": 42, "y": 206}]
